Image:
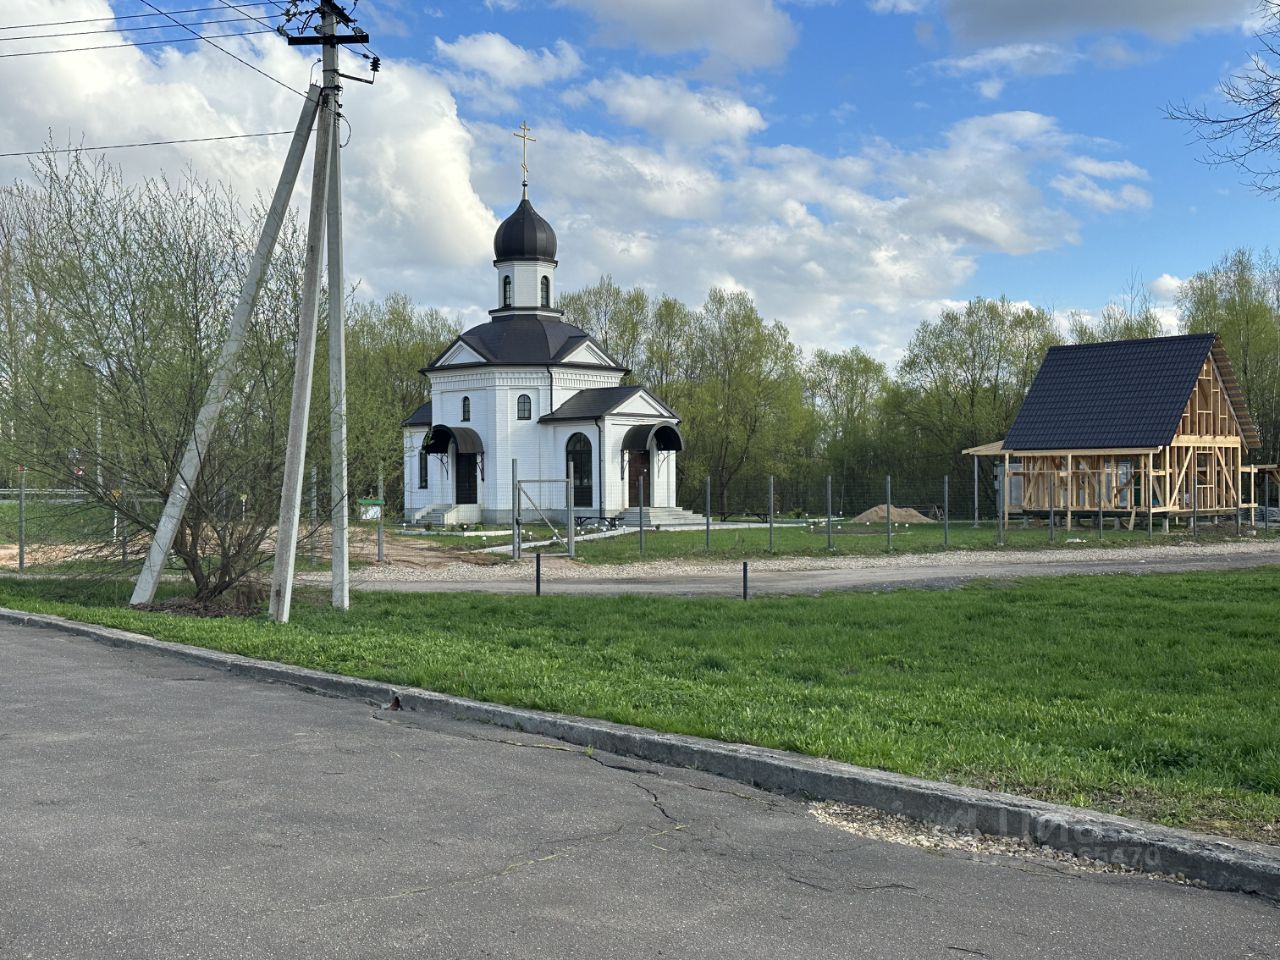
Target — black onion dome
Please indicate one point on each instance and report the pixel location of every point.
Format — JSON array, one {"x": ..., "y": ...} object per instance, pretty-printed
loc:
[{"x": 524, "y": 236}]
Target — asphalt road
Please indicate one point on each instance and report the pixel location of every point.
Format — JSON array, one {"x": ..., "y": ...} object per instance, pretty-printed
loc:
[
  {"x": 916, "y": 572},
  {"x": 158, "y": 809}
]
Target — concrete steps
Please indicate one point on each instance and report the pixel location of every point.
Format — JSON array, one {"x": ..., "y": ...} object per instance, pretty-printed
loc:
[{"x": 660, "y": 517}]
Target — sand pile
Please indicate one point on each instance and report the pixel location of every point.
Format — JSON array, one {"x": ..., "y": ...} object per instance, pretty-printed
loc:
[{"x": 899, "y": 515}]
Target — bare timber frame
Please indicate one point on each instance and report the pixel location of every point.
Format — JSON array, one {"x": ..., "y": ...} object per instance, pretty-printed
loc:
[{"x": 1131, "y": 428}]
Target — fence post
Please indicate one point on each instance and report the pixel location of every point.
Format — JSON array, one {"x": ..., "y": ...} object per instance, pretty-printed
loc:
[
  {"x": 744, "y": 579},
  {"x": 22, "y": 518},
  {"x": 124, "y": 527},
  {"x": 570, "y": 530},
  {"x": 1000, "y": 481},
  {"x": 1102, "y": 469},
  {"x": 771, "y": 513},
  {"x": 642, "y": 514},
  {"x": 1195, "y": 503},
  {"x": 515, "y": 509},
  {"x": 707, "y": 512},
  {"x": 382, "y": 515},
  {"x": 314, "y": 517},
  {"x": 1146, "y": 495},
  {"x": 1266, "y": 503},
  {"x": 888, "y": 511},
  {"x": 830, "y": 543},
  {"x": 946, "y": 510},
  {"x": 537, "y": 574},
  {"x": 975, "y": 491},
  {"x": 1053, "y": 500}
]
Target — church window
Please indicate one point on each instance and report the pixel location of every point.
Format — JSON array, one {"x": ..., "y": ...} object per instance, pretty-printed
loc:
[
  {"x": 524, "y": 407},
  {"x": 466, "y": 409},
  {"x": 578, "y": 456},
  {"x": 546, "y": 291},
  {"x": 507, "y": 299},
  {"x": 424, "y": 463}
]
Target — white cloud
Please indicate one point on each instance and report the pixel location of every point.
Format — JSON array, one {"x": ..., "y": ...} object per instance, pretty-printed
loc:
[
  {"x": 748, "y": 33},
  {"x": 1001, "y": 21},
  {"x": 1108, "y": 169},
  {"x": 669, "y": 109},
  {"x": 1165, "y": 287},
  {"x": 1089, "y": 192},
  {"x": 1001, "y": 63},
  {"x": 509, "y": 65}
]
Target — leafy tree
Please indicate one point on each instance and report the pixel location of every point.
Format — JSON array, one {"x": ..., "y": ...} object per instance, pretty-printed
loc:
[
  {"x": 1130, "y": 318},
  {"x": 1239, "y": 299},
  {"x": 614, "y": 317}
]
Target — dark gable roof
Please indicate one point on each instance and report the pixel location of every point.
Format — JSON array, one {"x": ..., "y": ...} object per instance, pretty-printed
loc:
[
  {"x": 1121, "y": 394},
  {"x": 597, "y": 402},
  {"x": 524, "y": 339},
  {"x": 420, "y": 417}
]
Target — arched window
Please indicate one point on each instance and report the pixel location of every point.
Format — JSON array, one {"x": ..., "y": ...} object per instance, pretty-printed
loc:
[
  {"x": 524, "y": 407},
  {"x": 466, "y": 409},
  {"x": 506, "y": 291},
  {"x": 578, "y": 455},
  {"x": 546, "y": 291},
  {"x": 424, "y": 463}
]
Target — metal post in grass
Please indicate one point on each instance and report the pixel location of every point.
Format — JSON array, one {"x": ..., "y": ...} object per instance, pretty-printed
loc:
[
  {"x": 1237, "y": 515},
  {"x": 1146, "y": 495},
  {"x": 1052, "y": 505},
  {"x": 888, "y": 511},
  {"x": 515, "y": 509},
  {"x": 1195, "y": 507},
  {"x": 830, "y": 543},
  {"x": 999, "y": 475},
  {"x": 537, "y": 574},
  {"x": 1100, "y": 484},
  {"x": 382, "y": 514},
  {"x": 946, "y": 510},
  {"x": 1266, "y": 503},
  {"x": 975, "y": 491},
  {"x": 771, "y": 513},
  {"x": 744, "y": 579},
  {"x": 124, "y": 528},
  {"x": 642, "y": 514},
  {"x": 22, "y": 518},
  {"x": 571, "y": 529},
  {"x": 707, "y": 511}
]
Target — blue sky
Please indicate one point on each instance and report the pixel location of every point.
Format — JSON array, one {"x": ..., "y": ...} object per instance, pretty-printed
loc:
[{"x": 854, "y": 164}]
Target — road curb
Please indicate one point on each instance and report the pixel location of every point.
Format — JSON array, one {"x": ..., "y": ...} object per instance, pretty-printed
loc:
[{"x": 1216, "y": 863}]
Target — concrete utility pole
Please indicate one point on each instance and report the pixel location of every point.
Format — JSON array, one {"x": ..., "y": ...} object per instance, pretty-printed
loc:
[
  {"x": 144, "y": 590},
  {"x": 339, "y": 512}
]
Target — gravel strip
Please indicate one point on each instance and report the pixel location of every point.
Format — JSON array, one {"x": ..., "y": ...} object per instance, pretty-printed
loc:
[
  {"x": 892, "y": 828},
  {"x": 559, "y": 568}
]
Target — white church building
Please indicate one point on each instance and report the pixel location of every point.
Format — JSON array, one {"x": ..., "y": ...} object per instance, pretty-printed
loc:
[{"x": 530, "y": 388}]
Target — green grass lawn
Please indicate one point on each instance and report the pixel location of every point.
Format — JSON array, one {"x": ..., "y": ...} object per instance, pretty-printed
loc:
[
  {"x": 860, "y": 539},
  {"x": 1151, "y": 696},
  {"x": 56, "y": 522}
]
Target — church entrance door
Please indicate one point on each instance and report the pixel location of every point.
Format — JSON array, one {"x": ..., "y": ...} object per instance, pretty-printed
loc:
[
  {"x": 639, "y": 467},
  {"x": 465, "y": 490}
]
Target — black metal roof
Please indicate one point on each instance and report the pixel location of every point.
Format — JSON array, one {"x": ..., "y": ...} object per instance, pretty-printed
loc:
[
  {"x": 1127, "y": 394},
  {"x": 467, "y": 440},
  {"x": 664, "y": 436},
  {"x": 524, "y": 339},
  {"x": 420, "y": 417},
  {"x": 598, "y": 402},
  {"x": 524, "y": 236}
]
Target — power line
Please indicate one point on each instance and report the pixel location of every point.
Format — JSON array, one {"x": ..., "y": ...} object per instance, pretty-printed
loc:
[
  {"x": 157, "y": 26},
  {"x": 230, "y": 6},
  {"x": 148, "y": 143},
  {"x": 241, "y": 60},
  {"x": 131, "y": 16},
  {"x": 149, "y": 43}
]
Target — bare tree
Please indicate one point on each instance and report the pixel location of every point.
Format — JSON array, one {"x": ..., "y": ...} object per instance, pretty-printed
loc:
[{"x": 1246, "y": 133}]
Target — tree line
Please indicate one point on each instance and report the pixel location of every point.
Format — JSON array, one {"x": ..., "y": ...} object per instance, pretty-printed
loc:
[{"x": 115, "y": 296}]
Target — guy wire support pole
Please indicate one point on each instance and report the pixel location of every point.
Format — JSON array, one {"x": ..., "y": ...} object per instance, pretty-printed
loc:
[
  {"x": 144, "y": 590},
  {"x": 830, "y": 542},
  {"x": 707, "y": 512},
  {"x": 300, "y": 408},
  {"x": 771, "y": 513}
]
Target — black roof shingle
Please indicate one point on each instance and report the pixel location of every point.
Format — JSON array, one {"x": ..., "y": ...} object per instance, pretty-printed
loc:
[
  {"x": 524, "y": 339},
  {"x": 596, "y": 402},
  {"x": 1122, "y": 394}
]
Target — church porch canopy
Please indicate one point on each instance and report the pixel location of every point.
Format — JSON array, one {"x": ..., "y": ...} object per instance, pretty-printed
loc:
[
  {"x": 663, "y": 436},
  {"x": 466, "y": 439}
]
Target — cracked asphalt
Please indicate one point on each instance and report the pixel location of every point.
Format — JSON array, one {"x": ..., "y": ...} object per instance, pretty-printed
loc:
[{"x": 153, "y": 808}]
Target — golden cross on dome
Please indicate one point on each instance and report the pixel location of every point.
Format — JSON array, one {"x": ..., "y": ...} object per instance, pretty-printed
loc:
[{"x": 523, "y": 134}]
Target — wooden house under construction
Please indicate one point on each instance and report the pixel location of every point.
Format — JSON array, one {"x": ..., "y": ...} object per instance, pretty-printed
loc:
[{"x": 1128, "y": 428}]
